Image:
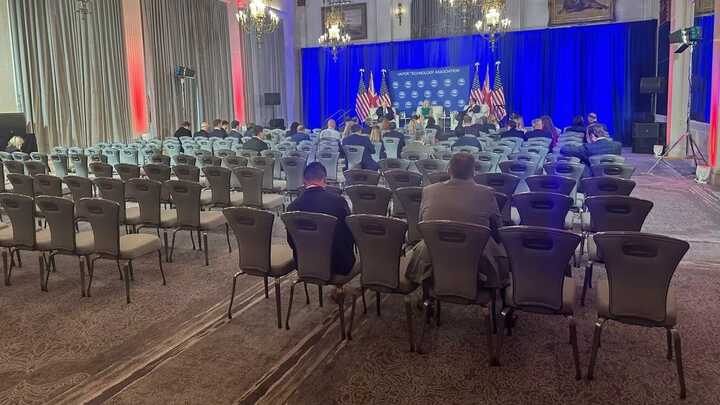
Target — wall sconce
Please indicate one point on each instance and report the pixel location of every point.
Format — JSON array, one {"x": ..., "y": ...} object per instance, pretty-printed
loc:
[{"x": 399, "y": 11}]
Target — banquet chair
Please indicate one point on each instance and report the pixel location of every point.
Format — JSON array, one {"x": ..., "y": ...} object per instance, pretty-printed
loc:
[
  {"x": 14, "y": 166},
  {"x": 427, "y": 166},
  {"x": 231, "y": 162},
  {"x": 551, "y": 184},
  {"x": 401, "y": 178},
  {"x": 187, "y": 172},
  {"x": 160, "y": 159},
  {"x": 455, "y": 250},
  {"x": 22, "y": 184},
  {"x": 129, "y": 156},
  {"x": 276, "y": 156},
  {"x": 354, "y": 155},
  {"x": 267, "y": 165},
  {"x": 186, "y": 197},
  {"x": 539, "y": 260},
  {"x": 35, "y": 167},
  {"x": 127, "y": 171},
  {"x": 185, "y": 159},
  {"x": 610, "y": 213},
  {"x": 108, "y": 244},
  {"x": 601, "y": 159},
  {"x": 380, "y": 241},
  {"x": 47, "y": 184},
  {"x": 639, "y": 289},
  {"x": 258, "y": 256},
  {"x": 251, "y": 179},
  {"x": 366, "y": 199},
  {"x": 80, "y": 164},
  {"x": 80, "y": 187},
  {"x": 113, "y": 190},
  {"x": 502, "y": 183},
  {"x": 482, "y": 166},
  {"x": 64, "y": 239},
  {"x": 393, "y": 164},
  {"x": 148, "y": 213},
  {"x": 489, "y": 156},
  {"x": 361, "y": 177},
  {"x": 521, "y": 169},
  {"x": 294, "y": 168},
  {"x": 100, "y": 169},
  {"x": 159, "y": 172},
  {"x": 20, "y": 156},
  {"x": 59, "y": 164},
  {"x": 543, "y": 209},
  {"x": 620, "y": 170},
  {"x": 605, "y": 185},
  {"x": 220, "y": 194},
  {"x": 313, "y": 236},
  {"x": 437, "y": 177},
  {"x": 21, "y": 234},
  {"x": 391, "y": 147},
  {"x": 330, "y": 161}
]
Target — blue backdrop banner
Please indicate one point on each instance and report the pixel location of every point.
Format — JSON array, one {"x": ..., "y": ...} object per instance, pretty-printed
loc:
[{"x": 447, "y": 87}]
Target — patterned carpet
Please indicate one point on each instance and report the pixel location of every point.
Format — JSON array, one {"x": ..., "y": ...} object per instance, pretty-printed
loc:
[{"x": 173, "y": 345}]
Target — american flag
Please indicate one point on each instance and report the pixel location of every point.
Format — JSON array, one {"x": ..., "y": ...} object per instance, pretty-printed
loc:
[
  {"x": 372, "y": 96},
  {"x": 362, "y": 104},
  {"x": 476, "y": 90},
  {"x": 385, "y": 92},
  {"x": 498, "y": 95}
]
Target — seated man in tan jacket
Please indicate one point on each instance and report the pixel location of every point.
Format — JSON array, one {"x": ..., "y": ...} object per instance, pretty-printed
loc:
[{"x": 461, "y": 199}]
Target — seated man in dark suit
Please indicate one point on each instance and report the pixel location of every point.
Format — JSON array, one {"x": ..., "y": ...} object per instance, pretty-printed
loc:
[
  {"x": 512, "y": 131},
  {"x": 385, "y": 112},
  {"x": 357, "y": 139},
  {"x": 319, "y": 200},
  {"x": 537, "y": 131},
  {"x": 393, "y": 133},
  {"x": 184, "y": 130},
  {"x": 203, "y": 132},
  {"x": 256, "y": 143},
  {"x": 599, "y": 144},
  {"x": 299, "y": 135},
  {"x": 217, "y": 129},
  {"x": 235, "y": 130}
]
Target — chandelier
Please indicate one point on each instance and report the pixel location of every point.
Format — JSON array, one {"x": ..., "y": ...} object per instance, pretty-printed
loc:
[
  {"x": 492, "y": 24},
  {"x": 466, "y": 11},
  {"x": 258, "y": 18},
  {"x": 335, "y": 37}
]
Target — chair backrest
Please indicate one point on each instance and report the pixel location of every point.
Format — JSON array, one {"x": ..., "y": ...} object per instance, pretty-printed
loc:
[
  {"x": 113, "y": 190},
  {"x": 502, "y": 150},
  {"x": 267, "y": 165},
  {"x": 59, "y": 164},
  {"x": 605, "y": 185},
  {"x": 482, "y": 166},
  {"x": 22, "y": 184},
  {"x": 565, "y": 169},
  {"x": 186, "y": 196},
  {"x": 427, "y": 166},
  {"x": 80, "y": 165},
  {"x": 80, "y": 187},
  {"x": 129, "y": 156},
  {"x": 157, "y": 171},
  {"x": 46, "y": 184},
  {"x": 160, "y": 159},
  {"x": 640, "y": 267},
  {"x": 620, "y": 170},
  {"x": 20, "y": 156},
  {"x": 539, "y": 258},
  {"x": 251, "y": 181},
  {"x": 312, "y": 235},
  {"x": 103, "y": 216},
  {"x": 127, "y": 171},
  {"x": 393, "y": 164},
  {"x": 600, "y": 159},
  {"x": 112, "y": 155},
  {"x": 551, "y": 184},
  {"x": 489, "y": 156},
  {"x": 521, "y": 169},
  {"x": 35, "y": 167},
  {"x": 360, "y": 176},
  {"x": 402, "y": 178},
  {"x": 14, "y": 166},
  {"x": 617, "y": 213},
  {"x": 247, "y": 153},
  {"x": 223, "y": 153},
  {"x": 21, "y": 210},
  {"x": 500, "y": 182},
  {"x": 543, "y": 209},
  {"x": 455, "y": 251},
  {"x": 391, "y": 147},
  {"x": 473, "y": 150},
  {"x": 147, "y": 193},
  {"x": 100, "y": 169},
  {"x": 436, "y": 177},
  {"x": 183, "y": 159},
  {"x": 60, "y": 216},
  {"x": 380, "y": 241},
  {"x": 368, "y": 199},
  {"x": 329, "y": 160},
  {"x": 354, "y": 155},
  {"x": 4, "y": 156},
  {"x": 526, "y": 157},
  {"x": 253, "y": 232},
  {"x": 414, "y": 155},
  {"x": 187, "y": 172},
  {"x": 219, "y": 179},
  {"x": 410, "y": 199},
  {"x": 294, "y": 168}
]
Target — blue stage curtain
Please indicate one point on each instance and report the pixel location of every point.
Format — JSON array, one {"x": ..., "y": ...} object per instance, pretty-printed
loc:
[
  {"x": 702, "y": 71},
  {"x": 560, "y": 72}
]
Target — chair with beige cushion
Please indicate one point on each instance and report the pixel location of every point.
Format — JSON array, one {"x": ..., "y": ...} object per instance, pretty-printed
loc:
[
  {"x": 21, "y": 234},
  {"x": 113, "y": 190},
  {"x": 108, "y": 244},
  {"x": 380, "y": 240},
  {"x": 220, "y": 195},
  {"x": 64, "y": 239},
  {"x": 373, "y": 200},
  {"x": 258, "y": 257},
  {"x": 127, "y": 171},
  {"x": 47, "y": 184},
  {"x": 313, "y": 236},
  {"x": 639, "y": 290},
  {"x": 539, "y": 260},
  {"x": 410, "y": 198},
  {"x": 22, "y": 184},
  {"x": 35, "y": 167},
  {"x": 159, "y": 172},
  {"x": 186, "y": 196},
  {"x": 401, "y": 178},
  {"x": 293, "y": 166},
  {"x": 251, "y": 179},
  {"x": 148, "y": 212},
  {"x": 361, "y": 177},
  {"x": 187, "y": 172},
  {"x": 455, "y": 250}
]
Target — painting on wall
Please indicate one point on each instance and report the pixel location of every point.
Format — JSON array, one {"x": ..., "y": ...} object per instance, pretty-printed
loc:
[
  {"x": 704, "y": 6},
  {"x": 580, "y": 11},
  {"x": 355, "y": 18}
]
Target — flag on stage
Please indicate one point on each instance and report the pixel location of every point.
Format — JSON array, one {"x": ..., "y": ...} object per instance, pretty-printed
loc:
[
  {"x": 486, "y": 91},
  {"x": 362, "y": 106},
  {"x": 384, "y": 91},
  {"x": 498, "y": 95},
  {"x": 476, "y": 90},
  {"x": 372, "y": 96}
]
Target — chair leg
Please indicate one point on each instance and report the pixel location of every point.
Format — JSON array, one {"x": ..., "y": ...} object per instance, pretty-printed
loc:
[
  {"x": 52, "y": 262},
  {"x": 19, "y": 260},
  {"x": 165, "y": 243},
  {"x": 491, "y": 333},
  {"x": 192, "y": 239},
  {"x": 205, "y": 248},
  {"x": 668, "y": 334},
  {"x": 320, "y": 295},
  {"x": 162, "y": 272},
  {"x": 82, "y": 276},
  {"x": 119, "y": 269},
  {"x": 132, "y": 271},
  {"x": 278, "y": 303},
  {"x": 437, "y": 313},
  {"x": 127, "y": 282},
  {"x": 43, "y": 269},
  {"x": 6, "y": 273},
  {"x": 427, "y": 308},
  {"x": 227, "y": 236},
  {"x": 307, "y": 294},
  {"x": 362, "y": 291},
  {"x": 574, "y": 343},
  {"x": 410, "y": 325},
  {"x": 232, "y": 294},
  {"x": 377, "y": 302},
  {"x": 587, "y": 282},
  {"x": 352, "y": 315},
  {"x": 679, "y": 362},
  {"x": 172, "y": 245},
  {"x": 292, "y": 293},
  {"x": 340, "y": 299},
  {"x": 91, "y": 272},
  {"x": 595, "y": 347},
  {"x": 200, "y": 243},
  {"x": 265, "y": 281}
]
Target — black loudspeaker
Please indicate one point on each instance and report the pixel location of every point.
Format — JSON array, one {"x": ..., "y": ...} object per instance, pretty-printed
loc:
[
  {"x": 646, "y": 135},
  {"x": 653, "y": 85},
  {"x": 271, "y": 99},
  {"x": 277, "y": 123}
]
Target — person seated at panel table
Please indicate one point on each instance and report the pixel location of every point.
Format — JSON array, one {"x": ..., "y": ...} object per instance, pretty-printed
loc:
[
  {"x": 299, "y": 136},
  {"x": 386, "y": 112},
  {"x": 256, "y": 143},
  {"x": 203, "y": 132},
  {"x": 331, "y": 130},
  {"x": 235, "y": 130},
  {"x": 317, "y": 199},
  {"x": 512, "y": 131},
  {"x": 217, "y": 129},
  {"x": 599, "y": 143},
  {"x": 356, "y": 138},
  {"x": 461, "y": 199},
  {"x": 393, "y": 133},
  {"x": 425, "y": 110},
  {"x": 537, "y": 131}
]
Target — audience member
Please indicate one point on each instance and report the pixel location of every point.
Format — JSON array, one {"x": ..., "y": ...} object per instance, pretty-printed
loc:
[
  {"x": 15, "y": 144},
  {"x": 439, "y": 133},
  {"x": 217, "y": 129},
  {"x": 393, "y": 133},
  {"x": 599, "y": 143},
  {"x": 317, "y": 199},
  {"x": 235, "y": 130},
  {"x": 331, "y": 130},
  {"x": 375, "y": 135},
  {"x": 519, "y": 121},
  {"x": 486, "y": 125},
  {"x": 358, "y": 139},
  {"x": 256, "y": 143},
  {"x": 578, "y": 125},
  {"x": 293, "y": 129},
  {"x": 203, "y": 132},
  {"x": 467, "y": 127},
  {"x": 184, "y": 130},
  {"x": 299, "y": 135},
  {"x": 538, "y": 131},
  {"x": 549, "y": 126},
  {"x": 225, "y": 127},
  {"x": 592, "y": 119},
  {"x": 250, "y": 131},
  {"x": 461, "y": 199},
  {"x": 512, "y": 131}
]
